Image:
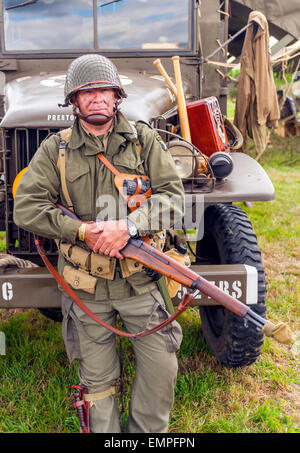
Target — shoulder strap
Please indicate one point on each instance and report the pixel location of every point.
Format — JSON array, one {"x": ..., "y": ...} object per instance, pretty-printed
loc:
[
  {"x": 138, "y": 148},
  {"x": 108, "y": 164},
  {"x": 64, "y": 138},
  {"x": 137, "y": 143},
  {"x": 65, "y": 134}
]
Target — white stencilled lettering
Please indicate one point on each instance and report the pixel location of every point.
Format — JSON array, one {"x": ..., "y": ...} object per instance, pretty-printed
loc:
[
  {"x": 236, "y": 287},
  {"x": 7, "y": 291}
]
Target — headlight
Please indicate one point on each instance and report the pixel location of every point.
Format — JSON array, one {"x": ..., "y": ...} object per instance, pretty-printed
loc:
[
  {"x": 189, "y": 163},
  {"x": 221, "y": 164}
]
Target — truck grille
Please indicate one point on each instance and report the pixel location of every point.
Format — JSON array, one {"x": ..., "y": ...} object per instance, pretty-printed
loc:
[{"x": 20, "y": 145}]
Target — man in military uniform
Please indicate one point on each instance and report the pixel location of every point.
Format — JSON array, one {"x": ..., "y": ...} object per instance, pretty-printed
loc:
[{"x": 90, "y": 257}]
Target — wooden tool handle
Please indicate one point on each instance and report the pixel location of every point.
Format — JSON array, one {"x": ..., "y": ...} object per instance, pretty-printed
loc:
[
  {"x": 163, "y": 72},
  {"x": 183, "y": 118}
]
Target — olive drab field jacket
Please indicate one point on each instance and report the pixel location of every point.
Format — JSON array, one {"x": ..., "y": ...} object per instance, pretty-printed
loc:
[
  {"x": 256, "y": 101},
  {"x": 90, "y": 184}
]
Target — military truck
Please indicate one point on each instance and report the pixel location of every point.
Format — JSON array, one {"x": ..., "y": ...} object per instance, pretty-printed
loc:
[{"x": 39, "y": 39}]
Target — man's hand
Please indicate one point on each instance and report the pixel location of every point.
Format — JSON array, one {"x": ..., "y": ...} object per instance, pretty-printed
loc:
[
  {"x": 90, "y": 238},
  {"x": 111, "y": 236}
]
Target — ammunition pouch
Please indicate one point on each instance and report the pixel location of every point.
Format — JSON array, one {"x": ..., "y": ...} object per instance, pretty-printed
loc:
[
  {"x": 129, "y": 267},
  {"x": 102, "y": 266},
  {"x": 76, "y": 255},
  {"x": 79, "y": 279},
  {"x": 89, "y": 265}
]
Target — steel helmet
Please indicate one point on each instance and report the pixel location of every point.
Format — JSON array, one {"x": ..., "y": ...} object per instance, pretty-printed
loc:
[{"x": 91, "y": 71}]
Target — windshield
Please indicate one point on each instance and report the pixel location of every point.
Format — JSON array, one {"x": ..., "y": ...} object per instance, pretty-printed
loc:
[{"x": 57, "y": 25}]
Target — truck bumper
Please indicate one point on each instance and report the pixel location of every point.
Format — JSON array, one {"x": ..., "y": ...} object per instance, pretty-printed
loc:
[{"x": 36, "y": 288}]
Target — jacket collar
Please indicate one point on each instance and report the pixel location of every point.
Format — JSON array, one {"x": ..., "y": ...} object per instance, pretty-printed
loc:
[{"x": 121, "y": 132}]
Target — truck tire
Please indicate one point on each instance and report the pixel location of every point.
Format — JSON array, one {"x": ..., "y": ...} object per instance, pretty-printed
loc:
[
  {"x": 52, "y": 313},
  {"x": 230, "y": 239}
]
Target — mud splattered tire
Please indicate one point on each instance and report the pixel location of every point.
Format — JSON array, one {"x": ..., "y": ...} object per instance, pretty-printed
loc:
[{"x": 229, "y": 239}]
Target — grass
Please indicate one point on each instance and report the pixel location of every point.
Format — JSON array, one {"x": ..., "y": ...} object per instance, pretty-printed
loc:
[
  {"x": 36, "y": 379},
  {"x": 2, "y": 241},
  {"x": 230, "y": 107}
]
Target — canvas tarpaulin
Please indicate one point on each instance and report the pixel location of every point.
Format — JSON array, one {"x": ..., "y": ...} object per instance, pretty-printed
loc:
[{"x": 285, "y": 14}]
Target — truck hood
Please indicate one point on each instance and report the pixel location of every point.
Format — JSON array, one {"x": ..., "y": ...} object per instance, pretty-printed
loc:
[{"x": 32, "y": 101}]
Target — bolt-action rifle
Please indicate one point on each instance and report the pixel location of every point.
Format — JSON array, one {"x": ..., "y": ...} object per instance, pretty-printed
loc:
[{"x": 150, "y": 257}]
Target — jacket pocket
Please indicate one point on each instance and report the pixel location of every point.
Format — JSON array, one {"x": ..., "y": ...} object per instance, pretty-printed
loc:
[
  {"x": 75, "y": 172},
  {"x": 128, "y": 165},
  {"x": 78, "y": 184}
]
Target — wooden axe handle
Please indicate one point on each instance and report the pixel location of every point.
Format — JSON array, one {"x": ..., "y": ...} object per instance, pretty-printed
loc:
[
  {"x": 163, "y": 72},
  {"x": 183, "y": 117}
]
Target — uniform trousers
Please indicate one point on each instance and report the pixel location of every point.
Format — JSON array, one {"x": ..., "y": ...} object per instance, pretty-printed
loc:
[{"x": 94, "y": 347}]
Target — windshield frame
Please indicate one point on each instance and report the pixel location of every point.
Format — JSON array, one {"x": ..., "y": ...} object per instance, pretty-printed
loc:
[{"x": 190, "y": 50}]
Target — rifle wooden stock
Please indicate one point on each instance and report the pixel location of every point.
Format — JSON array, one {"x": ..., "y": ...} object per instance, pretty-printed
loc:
[{"x": 140, "y": 251}]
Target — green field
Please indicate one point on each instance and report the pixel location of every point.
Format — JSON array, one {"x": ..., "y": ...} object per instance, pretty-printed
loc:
[{"x": 36, "y": 379}]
